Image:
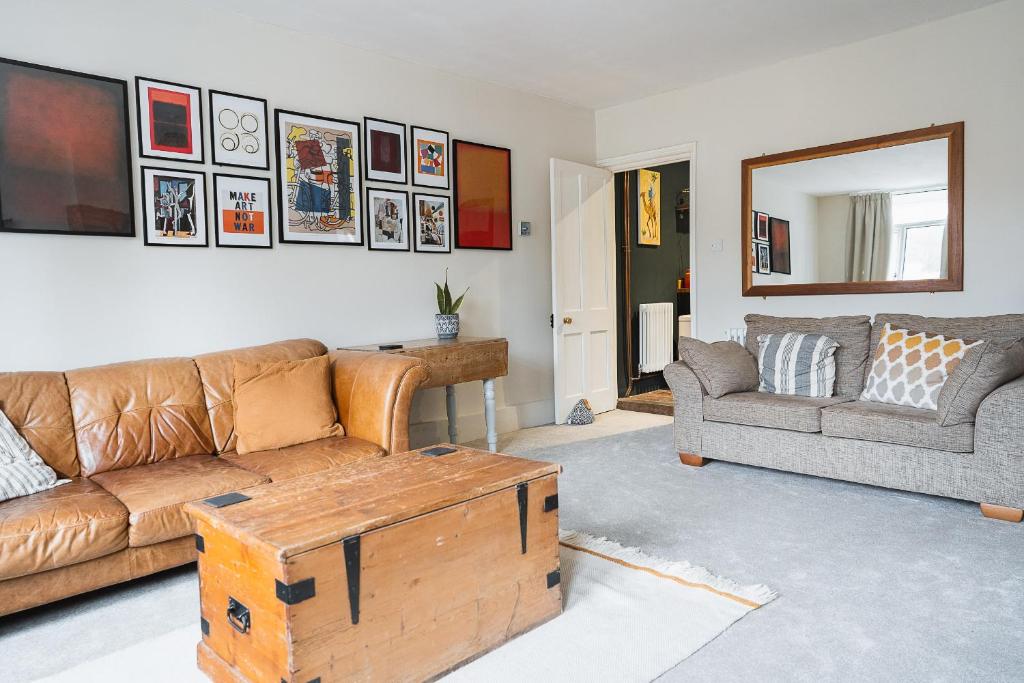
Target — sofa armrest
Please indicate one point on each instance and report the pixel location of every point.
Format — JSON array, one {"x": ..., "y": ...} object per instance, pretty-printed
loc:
[
  {"x": 373, "y": 393},
  {"x": 688, "y": 396},
  {"x": 999, "y": 425}
]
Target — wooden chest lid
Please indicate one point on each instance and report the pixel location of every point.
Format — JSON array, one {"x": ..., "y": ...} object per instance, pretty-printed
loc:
[{"x": 291, "y": 517}]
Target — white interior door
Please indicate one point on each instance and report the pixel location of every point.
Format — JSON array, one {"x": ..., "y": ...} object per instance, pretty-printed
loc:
[{"x": 583, "y": 286}]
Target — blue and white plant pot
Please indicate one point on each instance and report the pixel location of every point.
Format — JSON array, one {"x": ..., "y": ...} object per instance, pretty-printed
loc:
[{"x": 447, "y": 325}]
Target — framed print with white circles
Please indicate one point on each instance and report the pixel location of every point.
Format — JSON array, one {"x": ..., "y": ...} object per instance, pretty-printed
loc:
[{"x": 238, "y": 130}]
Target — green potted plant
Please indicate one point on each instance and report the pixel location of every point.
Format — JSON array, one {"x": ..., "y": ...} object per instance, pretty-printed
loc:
[{"x": 446, "y": 322}]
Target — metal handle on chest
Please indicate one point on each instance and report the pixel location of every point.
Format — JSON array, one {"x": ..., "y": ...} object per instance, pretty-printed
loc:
[{"x": 238, "y": 615}]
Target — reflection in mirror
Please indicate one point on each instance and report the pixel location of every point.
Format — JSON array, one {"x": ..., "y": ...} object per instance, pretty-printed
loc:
[{"x": 867, "y": 216}]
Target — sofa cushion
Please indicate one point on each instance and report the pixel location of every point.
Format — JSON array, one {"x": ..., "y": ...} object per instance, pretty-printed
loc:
[
  {"x": 138, "y": 413},
  {"x": 851, "y": 332},
  {"x": 722, "y": 367},
  {"x": 778, "y": 411},
  {"x": 22, "y": 471},
  {"x": 985, "y": 327},
  {"x": 217, "y": 371},
  {"x": 305, "y": 458},
  {"x": 72, "y": 523},
  {"x": 37, "y": 404},
  {"x": 889, "y": 423},
  {"x": 983, "y": 370},
  {"x": 154, "y": 494}
]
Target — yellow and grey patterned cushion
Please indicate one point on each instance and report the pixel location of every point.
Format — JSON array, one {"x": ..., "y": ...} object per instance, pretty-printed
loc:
[{"x": 909, "y": 368}]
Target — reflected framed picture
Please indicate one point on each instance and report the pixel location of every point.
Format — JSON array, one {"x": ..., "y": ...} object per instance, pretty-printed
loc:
[
  {"x": 241, "y": 211},
  {"x": 483, "y": 196},
  {"x": 173, "y": 207},
  {"x": 760, "y": 229},
  {"x": 65, "y": 154},
  {"x": 384, "y": 142},
  {"x": 762, "y": 258},
  {"x": 778, "y": 231},
  {"x": 238, "y": 131},
  {"x": 170, "y": 118},
  {"x": 431, "y": 157},
  {"x": 431, "y": 223},
  {"x": 387, "y": 213}
]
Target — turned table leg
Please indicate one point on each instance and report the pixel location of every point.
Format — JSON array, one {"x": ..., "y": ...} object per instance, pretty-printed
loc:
[
  {"x": 1002, "y": 513},
  {"x": 492, "y": 430},
  {"x": 692, "y": 460},
  {"x": 449, "y": 396}
]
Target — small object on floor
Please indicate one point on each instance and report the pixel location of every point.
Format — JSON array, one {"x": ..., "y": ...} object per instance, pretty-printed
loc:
[{"x": 581, "y": 413}]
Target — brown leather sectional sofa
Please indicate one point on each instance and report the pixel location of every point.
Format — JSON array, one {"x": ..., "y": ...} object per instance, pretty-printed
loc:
[{"x": 140, "y": 439}]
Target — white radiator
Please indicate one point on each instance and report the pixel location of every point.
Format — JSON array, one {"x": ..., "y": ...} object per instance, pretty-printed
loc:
[{"x": 656, "y": 336}]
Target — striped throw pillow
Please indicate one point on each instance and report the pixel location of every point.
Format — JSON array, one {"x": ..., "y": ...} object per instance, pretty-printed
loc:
[
  {"x": 797, "y": 364},
  {"x": 22, "y": 471}
]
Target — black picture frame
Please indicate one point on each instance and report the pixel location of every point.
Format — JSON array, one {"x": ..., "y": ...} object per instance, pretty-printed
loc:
[
  {"x": 129, "y": 172},
  {"x": 412, "y": 158},
  {"x": 756, "y": 224},
  {"x": 455, "y": 195},
  {"x": 216, "y": 213},
  {"x": 780, "y": 245},
  {"x": 758, "y": 246},
  {"x": 368, "y": 152},
  {"x": 282, "y": 207},
  {"x": 415, "y": 223},
  {"x": 368, "y": 228},
  {"x": 138, "y": 121},
  {"x": 266, "y": 137},
  {"x": 145, "y": 212}
]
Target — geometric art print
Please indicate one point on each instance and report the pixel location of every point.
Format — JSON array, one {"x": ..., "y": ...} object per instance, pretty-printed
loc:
[{"x": 909, "y": 368}]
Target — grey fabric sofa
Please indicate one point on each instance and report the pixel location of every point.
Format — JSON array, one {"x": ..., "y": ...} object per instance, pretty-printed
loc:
[{"x": 860, "y": 441}]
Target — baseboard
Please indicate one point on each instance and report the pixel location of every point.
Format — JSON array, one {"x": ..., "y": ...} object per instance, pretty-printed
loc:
[{"x": 471, "y": 426}]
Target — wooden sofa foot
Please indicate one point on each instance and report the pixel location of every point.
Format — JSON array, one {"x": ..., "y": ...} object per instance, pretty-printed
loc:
[
  {"x": 1002, "y": 513},
  {"x": 692, "y": 460}
]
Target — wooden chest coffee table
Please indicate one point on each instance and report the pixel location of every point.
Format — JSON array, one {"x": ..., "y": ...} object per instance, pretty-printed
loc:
[{"x": 392, "y": 569}]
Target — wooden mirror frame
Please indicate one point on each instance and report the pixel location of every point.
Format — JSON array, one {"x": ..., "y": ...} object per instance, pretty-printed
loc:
[{"x": 954, "y": 280}]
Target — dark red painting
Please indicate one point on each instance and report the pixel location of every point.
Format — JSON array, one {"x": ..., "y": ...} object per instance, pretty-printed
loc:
[
  {"x": 483, "y": 196},
  {"x": 385, "y": 151},
  {"x": 64, "y": 152},
  {"x": 171, "y": 116}
]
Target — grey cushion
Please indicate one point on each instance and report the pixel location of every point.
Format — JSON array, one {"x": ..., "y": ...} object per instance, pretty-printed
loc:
[
  {"x": 760, "y": 409},
  {"x": 986, "y": 327},
  {"x": 982, "y": 370},
  {"x": 723, "y": 367},
  {"x": 851, "y": 332},
  {"x": 889, "y": 423}
]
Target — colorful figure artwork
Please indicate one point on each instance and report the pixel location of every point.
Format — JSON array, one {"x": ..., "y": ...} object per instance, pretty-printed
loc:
[
  {"x": 432, "y": 226},
  {"x": 65, "y": 155},
  {"x": 389, "y": 219},
  {"x": 385, "y": 151},
  {"x": 170, "y": 120},
  {"x": 238, "y": 126},
  {"x": 241, "y": 211},
  {"x": 649, "y": 200},
  {"x": 318, "y": 183},
  {"x": 430, "y": 158},
  {"x": 174, "y": 204}
]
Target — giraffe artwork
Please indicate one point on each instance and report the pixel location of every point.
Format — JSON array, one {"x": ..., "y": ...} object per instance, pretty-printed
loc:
[{"x": 649, "y": 202}]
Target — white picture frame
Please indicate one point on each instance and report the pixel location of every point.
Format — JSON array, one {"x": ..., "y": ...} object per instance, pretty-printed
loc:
[
  {"x": 430, "y": 167},
  {"x": 238, "y": 131},
  {"x": 432, "y": 223},
  {"x": 387, "y": 219},
  {"x": 241, "y": 211},
  {"x": 384, "y": 144},
  {"x": 174, "y": 207},
  {"x": 170, "y": 120}
]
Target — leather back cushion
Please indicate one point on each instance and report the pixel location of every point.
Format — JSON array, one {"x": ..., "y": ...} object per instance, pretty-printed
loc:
[
  {"x": 37, "y": 405},
  {"x": 851, "y": 332},
  {"x": 138, "y": 413},
  {"x": 217, "y": 373}
]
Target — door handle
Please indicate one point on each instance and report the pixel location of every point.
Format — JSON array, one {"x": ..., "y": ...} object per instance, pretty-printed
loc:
[{"x": 567, "y": 320}]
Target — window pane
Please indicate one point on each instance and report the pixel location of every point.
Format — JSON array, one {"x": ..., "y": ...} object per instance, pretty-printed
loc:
[
  {"x": 922, "y": 259},
  {"x": 919, "y": 207}
]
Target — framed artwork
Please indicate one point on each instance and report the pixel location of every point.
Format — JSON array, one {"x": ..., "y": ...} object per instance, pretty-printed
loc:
[
  {"x": 762, "y": 258},
  {"x": 238, "y": 131},
  {"x": 241, "y": 211},
  {"x": 388, "y": 215},
  {"x": 384, "y": 142},
  {"x": 173, "y": 207},
  {"x": 431, "y": 223},
  {"x": 760, "y": 231},
  {"x": 648, "y": 225},
  {"x": 483, "y": 196},
  {"x": 431, "y": 158},
  {"x": 318, "y": 191},
  {"x": 779, "y": 238},
  {"x": 170, "y": 118},
  {"x": 65, "y": 155}
]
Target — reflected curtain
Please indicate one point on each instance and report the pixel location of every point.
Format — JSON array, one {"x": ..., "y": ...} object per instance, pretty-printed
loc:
[{"x": 869, "y": 234}]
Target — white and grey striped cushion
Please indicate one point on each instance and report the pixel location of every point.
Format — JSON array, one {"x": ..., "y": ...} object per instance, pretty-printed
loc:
[
  {"x": 797, "y": 364},
  {"x": 22, "y": 471}
]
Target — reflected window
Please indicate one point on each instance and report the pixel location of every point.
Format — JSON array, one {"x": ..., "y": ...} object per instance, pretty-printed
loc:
[{"x": 918, "y": 236}]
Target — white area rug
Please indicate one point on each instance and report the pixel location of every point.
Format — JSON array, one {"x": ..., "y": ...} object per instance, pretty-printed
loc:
[{"x": 627, "y": 617}]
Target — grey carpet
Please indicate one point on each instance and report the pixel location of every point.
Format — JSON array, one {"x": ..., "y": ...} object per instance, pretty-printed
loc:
[{"x": 874, "y": 584}]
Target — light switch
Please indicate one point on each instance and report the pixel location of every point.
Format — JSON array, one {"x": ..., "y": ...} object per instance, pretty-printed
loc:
[
  {"x": 524, "y": 227},
  {"x": 716, "y": 245}
]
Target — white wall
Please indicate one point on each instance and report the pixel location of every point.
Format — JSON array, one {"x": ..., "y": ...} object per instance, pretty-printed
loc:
[
  {"x": 801, "y": 210},
  {"x": 969, "y": 67},
  {"x": 73, "y": 301},
  {"x": 833, "y": 215}
]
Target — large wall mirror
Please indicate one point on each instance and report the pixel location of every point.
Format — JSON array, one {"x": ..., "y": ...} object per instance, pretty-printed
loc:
[{"x": 883, "y": 214}]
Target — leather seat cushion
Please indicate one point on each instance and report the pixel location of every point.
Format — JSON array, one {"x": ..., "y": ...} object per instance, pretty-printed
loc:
[
  {"x": 154, "y": 494},
  {"x": 887, "y": 423},
  {"x": 306, "y": 458},
  {"x": 761, "y": 409},
  {"x": 65, "y": 525}
]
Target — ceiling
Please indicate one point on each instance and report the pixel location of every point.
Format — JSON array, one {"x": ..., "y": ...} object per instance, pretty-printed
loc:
[{"x": 597, "y": 53}]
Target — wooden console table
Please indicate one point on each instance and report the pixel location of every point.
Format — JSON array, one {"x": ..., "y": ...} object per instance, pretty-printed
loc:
[{"x": 453, "y": 361}]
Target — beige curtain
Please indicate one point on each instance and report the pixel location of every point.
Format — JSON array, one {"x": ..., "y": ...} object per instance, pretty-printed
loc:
[{"x": 868, "y": 236}]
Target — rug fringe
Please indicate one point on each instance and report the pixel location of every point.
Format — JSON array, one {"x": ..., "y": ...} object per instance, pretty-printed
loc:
[{"x": 756, "y": 593}]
